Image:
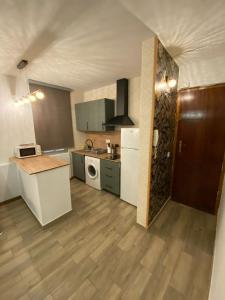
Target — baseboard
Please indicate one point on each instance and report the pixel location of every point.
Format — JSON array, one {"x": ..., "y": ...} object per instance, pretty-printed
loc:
[
  {"x": 159, "y": 212},
  {"x": 10, "y": 200}
]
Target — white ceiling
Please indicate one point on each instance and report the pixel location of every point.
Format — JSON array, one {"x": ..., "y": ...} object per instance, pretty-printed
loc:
[
  {"x": 193, "y": 31},
  {"x": 71, "y": 43},
  {"x": 90, "y": 43}
]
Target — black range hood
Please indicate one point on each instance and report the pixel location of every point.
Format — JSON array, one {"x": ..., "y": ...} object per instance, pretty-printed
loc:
[{"x": 121, "y": 117}]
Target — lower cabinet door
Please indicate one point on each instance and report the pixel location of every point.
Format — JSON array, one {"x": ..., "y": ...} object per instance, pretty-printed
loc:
[{"x": 78, "y": 166}]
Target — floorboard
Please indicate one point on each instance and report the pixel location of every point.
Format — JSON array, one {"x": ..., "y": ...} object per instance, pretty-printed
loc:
[{"x": 99, "y": 252}]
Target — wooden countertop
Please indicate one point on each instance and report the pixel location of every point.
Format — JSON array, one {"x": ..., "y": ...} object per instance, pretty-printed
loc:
[
  {"x": 37, "y": 164},
  {"x": 100, "y": 156}
]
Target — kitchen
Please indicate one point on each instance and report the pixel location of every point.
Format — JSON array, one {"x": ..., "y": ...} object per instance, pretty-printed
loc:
[
  {"x": 108, "y": 154},
  {"x": 108, "y": 167}
]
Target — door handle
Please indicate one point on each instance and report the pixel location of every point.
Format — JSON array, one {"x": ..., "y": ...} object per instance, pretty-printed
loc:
[{"x": 180, "y": 146}]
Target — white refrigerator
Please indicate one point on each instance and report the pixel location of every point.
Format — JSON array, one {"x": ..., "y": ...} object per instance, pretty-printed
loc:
[{"x": 129, "y": 165}]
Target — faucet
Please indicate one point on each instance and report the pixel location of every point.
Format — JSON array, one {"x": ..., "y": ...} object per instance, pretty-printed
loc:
[{"x": 89, "y": 144}]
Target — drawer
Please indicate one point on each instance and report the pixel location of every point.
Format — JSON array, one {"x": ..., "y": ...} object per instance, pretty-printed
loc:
[
  {"x": 108, "y": 164},
  {"x": 108, "y": 187},
  {"x": 109, "y": 167},
  {"x": 110, "y": 176},
  {"x": 108, "y": 180}
]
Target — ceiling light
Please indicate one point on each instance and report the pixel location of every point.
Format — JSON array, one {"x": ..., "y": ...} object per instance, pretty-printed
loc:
[
  {"x": 40, "y": 95},
  {"x": 172, "y": 83},
  {"x": 22, "y": 64}
]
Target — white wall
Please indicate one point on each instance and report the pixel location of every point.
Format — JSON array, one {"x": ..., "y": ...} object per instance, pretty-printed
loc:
[
  {"x": 217, "y": 289},
  {"x": 9, "y": 184},
  {"x": 146, "y": 127},
  {"x": 16, "y": 127},
  {"x": 202, "y": 72},
  {"x": 16, "y": 123},
  {"x": 108, "y": 91}
]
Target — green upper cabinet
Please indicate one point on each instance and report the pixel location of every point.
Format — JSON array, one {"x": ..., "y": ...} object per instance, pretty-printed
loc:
[
  {"x": 81, "y": 110},
  {"x": 91, "y": 115}
]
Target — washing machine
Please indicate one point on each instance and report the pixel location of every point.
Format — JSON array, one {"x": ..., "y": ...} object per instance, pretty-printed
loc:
[{"x": 92, "y": 172}]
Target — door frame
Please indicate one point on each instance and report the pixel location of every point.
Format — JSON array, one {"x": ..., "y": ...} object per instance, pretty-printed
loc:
[{"x": 220, "y": 187}]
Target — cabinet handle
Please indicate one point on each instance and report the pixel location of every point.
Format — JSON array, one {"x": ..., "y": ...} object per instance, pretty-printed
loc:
[
  {"x": 87, "y": 125},
  {"x": 180, "y": 146},
  {"x": 108, "y": 175},
  {"x": 108, "y": 168}
]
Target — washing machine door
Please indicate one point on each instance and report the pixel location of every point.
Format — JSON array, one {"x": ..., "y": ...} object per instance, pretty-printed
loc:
[{"x": 92, "y": 171}]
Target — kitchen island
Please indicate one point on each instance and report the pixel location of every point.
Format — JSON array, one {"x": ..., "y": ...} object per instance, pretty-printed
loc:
[{"x": 45, "y": 186}]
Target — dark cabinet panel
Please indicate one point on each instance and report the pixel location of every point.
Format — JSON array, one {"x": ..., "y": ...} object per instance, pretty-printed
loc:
[
  {"x": 91, "y": 115},
  {"x": 110, "y": 176},
  {"x": 81, "y": 110},
  {"x": 79, "y": 166}
]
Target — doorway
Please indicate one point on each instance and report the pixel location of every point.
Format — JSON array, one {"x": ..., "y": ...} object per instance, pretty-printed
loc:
[{"x": 200, "y": 147}]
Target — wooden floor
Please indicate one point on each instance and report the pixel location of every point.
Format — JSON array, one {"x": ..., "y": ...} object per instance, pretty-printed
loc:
[{"x": 98, "y": 252}]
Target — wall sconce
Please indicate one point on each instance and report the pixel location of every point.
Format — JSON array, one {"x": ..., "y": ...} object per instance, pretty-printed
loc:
[
  {"x": 172, "y": 83},
  {"x": 23, "y": 94},
  {"x": 165, "y": 85},
  {"x": 32, "y": 97}
]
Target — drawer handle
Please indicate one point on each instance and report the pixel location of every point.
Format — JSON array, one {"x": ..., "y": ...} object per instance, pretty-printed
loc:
[
  {"x": 108, "y": 168},
  {"x": 108, "y": 175}
]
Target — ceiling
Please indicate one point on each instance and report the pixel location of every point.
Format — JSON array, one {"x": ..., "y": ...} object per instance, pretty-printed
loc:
[
  {"x": 71, "y": 43},
  {"x": 193, "y": 31},
  {"x": 86, "y": 44}
]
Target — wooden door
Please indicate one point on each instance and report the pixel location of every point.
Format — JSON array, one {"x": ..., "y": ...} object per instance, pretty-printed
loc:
[{"x": 200, "y": 147}]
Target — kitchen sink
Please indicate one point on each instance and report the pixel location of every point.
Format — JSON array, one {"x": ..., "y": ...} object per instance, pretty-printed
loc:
[{"x": 95, "y": 150}]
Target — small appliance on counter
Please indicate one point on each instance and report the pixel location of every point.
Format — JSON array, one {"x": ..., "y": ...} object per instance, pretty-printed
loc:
[
  {"x": 113, "y": 156},
  {"x": 113, "y": 152},
  {"x": 27, "y": 150}
]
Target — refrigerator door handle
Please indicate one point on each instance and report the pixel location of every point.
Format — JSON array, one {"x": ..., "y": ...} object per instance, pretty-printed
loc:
[{"x": 130, "y": 148}]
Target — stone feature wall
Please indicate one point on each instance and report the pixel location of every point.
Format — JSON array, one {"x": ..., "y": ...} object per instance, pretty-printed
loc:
[{"x": 164, "y": 121}]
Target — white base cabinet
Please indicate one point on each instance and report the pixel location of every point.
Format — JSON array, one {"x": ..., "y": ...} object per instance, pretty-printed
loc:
[{"x": 47, "y": 193}]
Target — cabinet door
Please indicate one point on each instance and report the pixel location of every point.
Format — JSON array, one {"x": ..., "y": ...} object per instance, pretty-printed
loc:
[
  {"x": 82, "y": 116},
  {"x": 100, "y": 111},
  {"x": 96, "y": 115},
  {"x": 78, "y": 166},
  {"x": 91, "y": 115}
]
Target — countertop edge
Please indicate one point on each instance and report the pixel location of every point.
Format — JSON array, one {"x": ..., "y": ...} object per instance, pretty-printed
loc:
[
  {"x": 100, "y": 156},
  {"x": 18, "y": 162}
]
